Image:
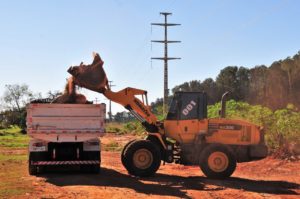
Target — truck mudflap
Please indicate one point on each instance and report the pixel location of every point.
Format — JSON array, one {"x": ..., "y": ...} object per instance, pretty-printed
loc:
[
  {"x": 258, "y": 151},
  {"x": 70, "y": 162}
]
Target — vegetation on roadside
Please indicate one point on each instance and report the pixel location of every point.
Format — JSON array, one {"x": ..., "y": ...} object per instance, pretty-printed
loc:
[
  {"x": 133, "y": 127},
  {"x": 112, "y": 146},
  {"x": 12, "y": 137},
  {"x": 12, "y": 158}
]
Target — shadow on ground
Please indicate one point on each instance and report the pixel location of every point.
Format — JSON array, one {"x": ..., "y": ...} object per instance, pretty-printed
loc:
[{"x": 168, "y": 185}]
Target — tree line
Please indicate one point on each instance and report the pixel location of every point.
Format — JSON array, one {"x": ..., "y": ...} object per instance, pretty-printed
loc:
[
  {"x": 13, "y": 104},
  {"x": 273, "y": 87}
]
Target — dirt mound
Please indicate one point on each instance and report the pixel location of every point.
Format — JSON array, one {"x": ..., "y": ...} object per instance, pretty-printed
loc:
[{"x": 70, "y": 96}]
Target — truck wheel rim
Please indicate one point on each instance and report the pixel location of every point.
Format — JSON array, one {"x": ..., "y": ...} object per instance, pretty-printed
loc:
[
  {"x": 218, "y": 161},
  {"x": 142, "y": 158}
]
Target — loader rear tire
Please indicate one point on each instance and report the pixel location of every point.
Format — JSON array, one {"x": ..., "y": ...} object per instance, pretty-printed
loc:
[
  {"x": 217, "y": 161},
  {"x": 142, "y": 158}
]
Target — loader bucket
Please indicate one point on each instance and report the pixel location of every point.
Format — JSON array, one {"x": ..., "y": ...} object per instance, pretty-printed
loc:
[{"x": 91, "y": 76}]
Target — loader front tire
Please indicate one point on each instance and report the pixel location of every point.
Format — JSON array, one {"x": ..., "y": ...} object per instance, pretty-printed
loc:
[
  {"x": 217, "y": 161},
  {"x": 123, "y": 151},
  {"x": 142, "y": 158}
]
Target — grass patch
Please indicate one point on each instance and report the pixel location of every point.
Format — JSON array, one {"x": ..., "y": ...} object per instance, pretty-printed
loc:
[
  {"x": 13, "y": 172},
  {"x": 12, "y": 137},
  {"x": 10, "y": 192},
  {"x": 133, "y": 127},
  {"x": 14, "y": 140},
  {"x": 13, "y": 166},
  {"x": 113, "y": 146},
  {"x": 10, "y": 130},
  {"x": 14, "y": 157},
  {"x": 114, "y": 127}
]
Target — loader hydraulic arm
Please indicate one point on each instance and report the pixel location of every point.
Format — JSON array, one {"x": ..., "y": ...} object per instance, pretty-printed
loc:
[{"x": 139, "y": 108}]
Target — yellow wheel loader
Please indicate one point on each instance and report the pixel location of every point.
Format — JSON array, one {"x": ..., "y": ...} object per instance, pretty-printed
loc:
[{"x": 186, "y": 136}]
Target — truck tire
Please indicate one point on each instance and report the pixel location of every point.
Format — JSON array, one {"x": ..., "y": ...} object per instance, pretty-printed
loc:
[
  {"x": 142, "y": 158},
  {"x": 217, "y": 161},
  {"x": 90, "y": 169},
  {"x": 95, "y": 169},
  {"x": 32, "y": 169},
  {"x": 123, "y": 151},
  {"x": 85, "y": 168}
]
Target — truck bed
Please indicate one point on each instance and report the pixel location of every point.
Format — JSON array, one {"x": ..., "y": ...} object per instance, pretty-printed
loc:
[{"x": 65, "y": 122}]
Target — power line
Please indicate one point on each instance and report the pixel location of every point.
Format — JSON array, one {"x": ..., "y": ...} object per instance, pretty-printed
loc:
[{"x": 165, "y": 58}]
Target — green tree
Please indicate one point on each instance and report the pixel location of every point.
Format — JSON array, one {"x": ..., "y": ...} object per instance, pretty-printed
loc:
[
  {"x": 227, "y": 81},
  {"x": 242, "y": 80},
  {"x": 15, "y": 99},
  {"x": 17, "y": 96},
  {"x": 257, "y": 84},
  {"x": 288, "y": 65},
  {"x": 210, "y": 87},
  {"x": 182, "y": 87}
]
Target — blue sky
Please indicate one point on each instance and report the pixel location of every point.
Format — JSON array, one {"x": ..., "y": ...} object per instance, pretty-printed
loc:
[{"x": 39, "y": 40}]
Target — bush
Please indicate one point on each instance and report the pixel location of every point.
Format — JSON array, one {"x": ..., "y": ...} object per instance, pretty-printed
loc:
[
  {"x": 113, "y": 146},
  {"x": 115, "y": 128},
  {"x": 134, "y": 127},
  {"x": 13, "y": 117}
]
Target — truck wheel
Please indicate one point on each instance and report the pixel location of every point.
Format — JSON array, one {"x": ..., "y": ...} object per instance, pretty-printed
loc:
[
  {"x": 32, "y": 169},
  {"x": 123, "y": 151},
  {"x": 142, "y": 158},
  {"x": 217, "y": 161}
]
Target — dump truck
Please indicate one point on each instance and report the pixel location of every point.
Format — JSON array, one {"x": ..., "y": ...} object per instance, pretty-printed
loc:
[
  {"x": 65, "y": 135},
  {"x": 186, "y": 136}
]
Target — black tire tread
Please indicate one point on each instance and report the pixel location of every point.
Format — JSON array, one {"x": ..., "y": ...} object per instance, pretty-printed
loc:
[
  {"x": 32, "y": 169},
  {"x": 204, "y": 161},
  {"x": 134, "y": 146},
  {"x": 123, "y": 152}
]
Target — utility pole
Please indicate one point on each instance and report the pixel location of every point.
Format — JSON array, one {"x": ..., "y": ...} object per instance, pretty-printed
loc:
[
  {"x": 109, "y": 114},
  {"x": 165, "y": 58}
]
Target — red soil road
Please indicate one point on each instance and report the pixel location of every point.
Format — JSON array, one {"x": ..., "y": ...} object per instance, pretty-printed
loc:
[{"x": 268, "y": 178}]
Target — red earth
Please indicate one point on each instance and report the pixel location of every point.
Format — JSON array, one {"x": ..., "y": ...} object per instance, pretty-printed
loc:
[{"x": 267, "y": 178}]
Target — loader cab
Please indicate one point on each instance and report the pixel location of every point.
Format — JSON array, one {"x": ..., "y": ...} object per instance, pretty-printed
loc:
[{"x": 188, "y": 106}]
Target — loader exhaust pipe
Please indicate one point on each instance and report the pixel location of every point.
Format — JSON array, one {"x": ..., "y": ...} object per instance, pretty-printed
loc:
[{"x": 222, "y": 112}]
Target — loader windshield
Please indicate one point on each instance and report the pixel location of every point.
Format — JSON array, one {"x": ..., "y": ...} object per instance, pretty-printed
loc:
[{"x": 187, "y": 106}]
